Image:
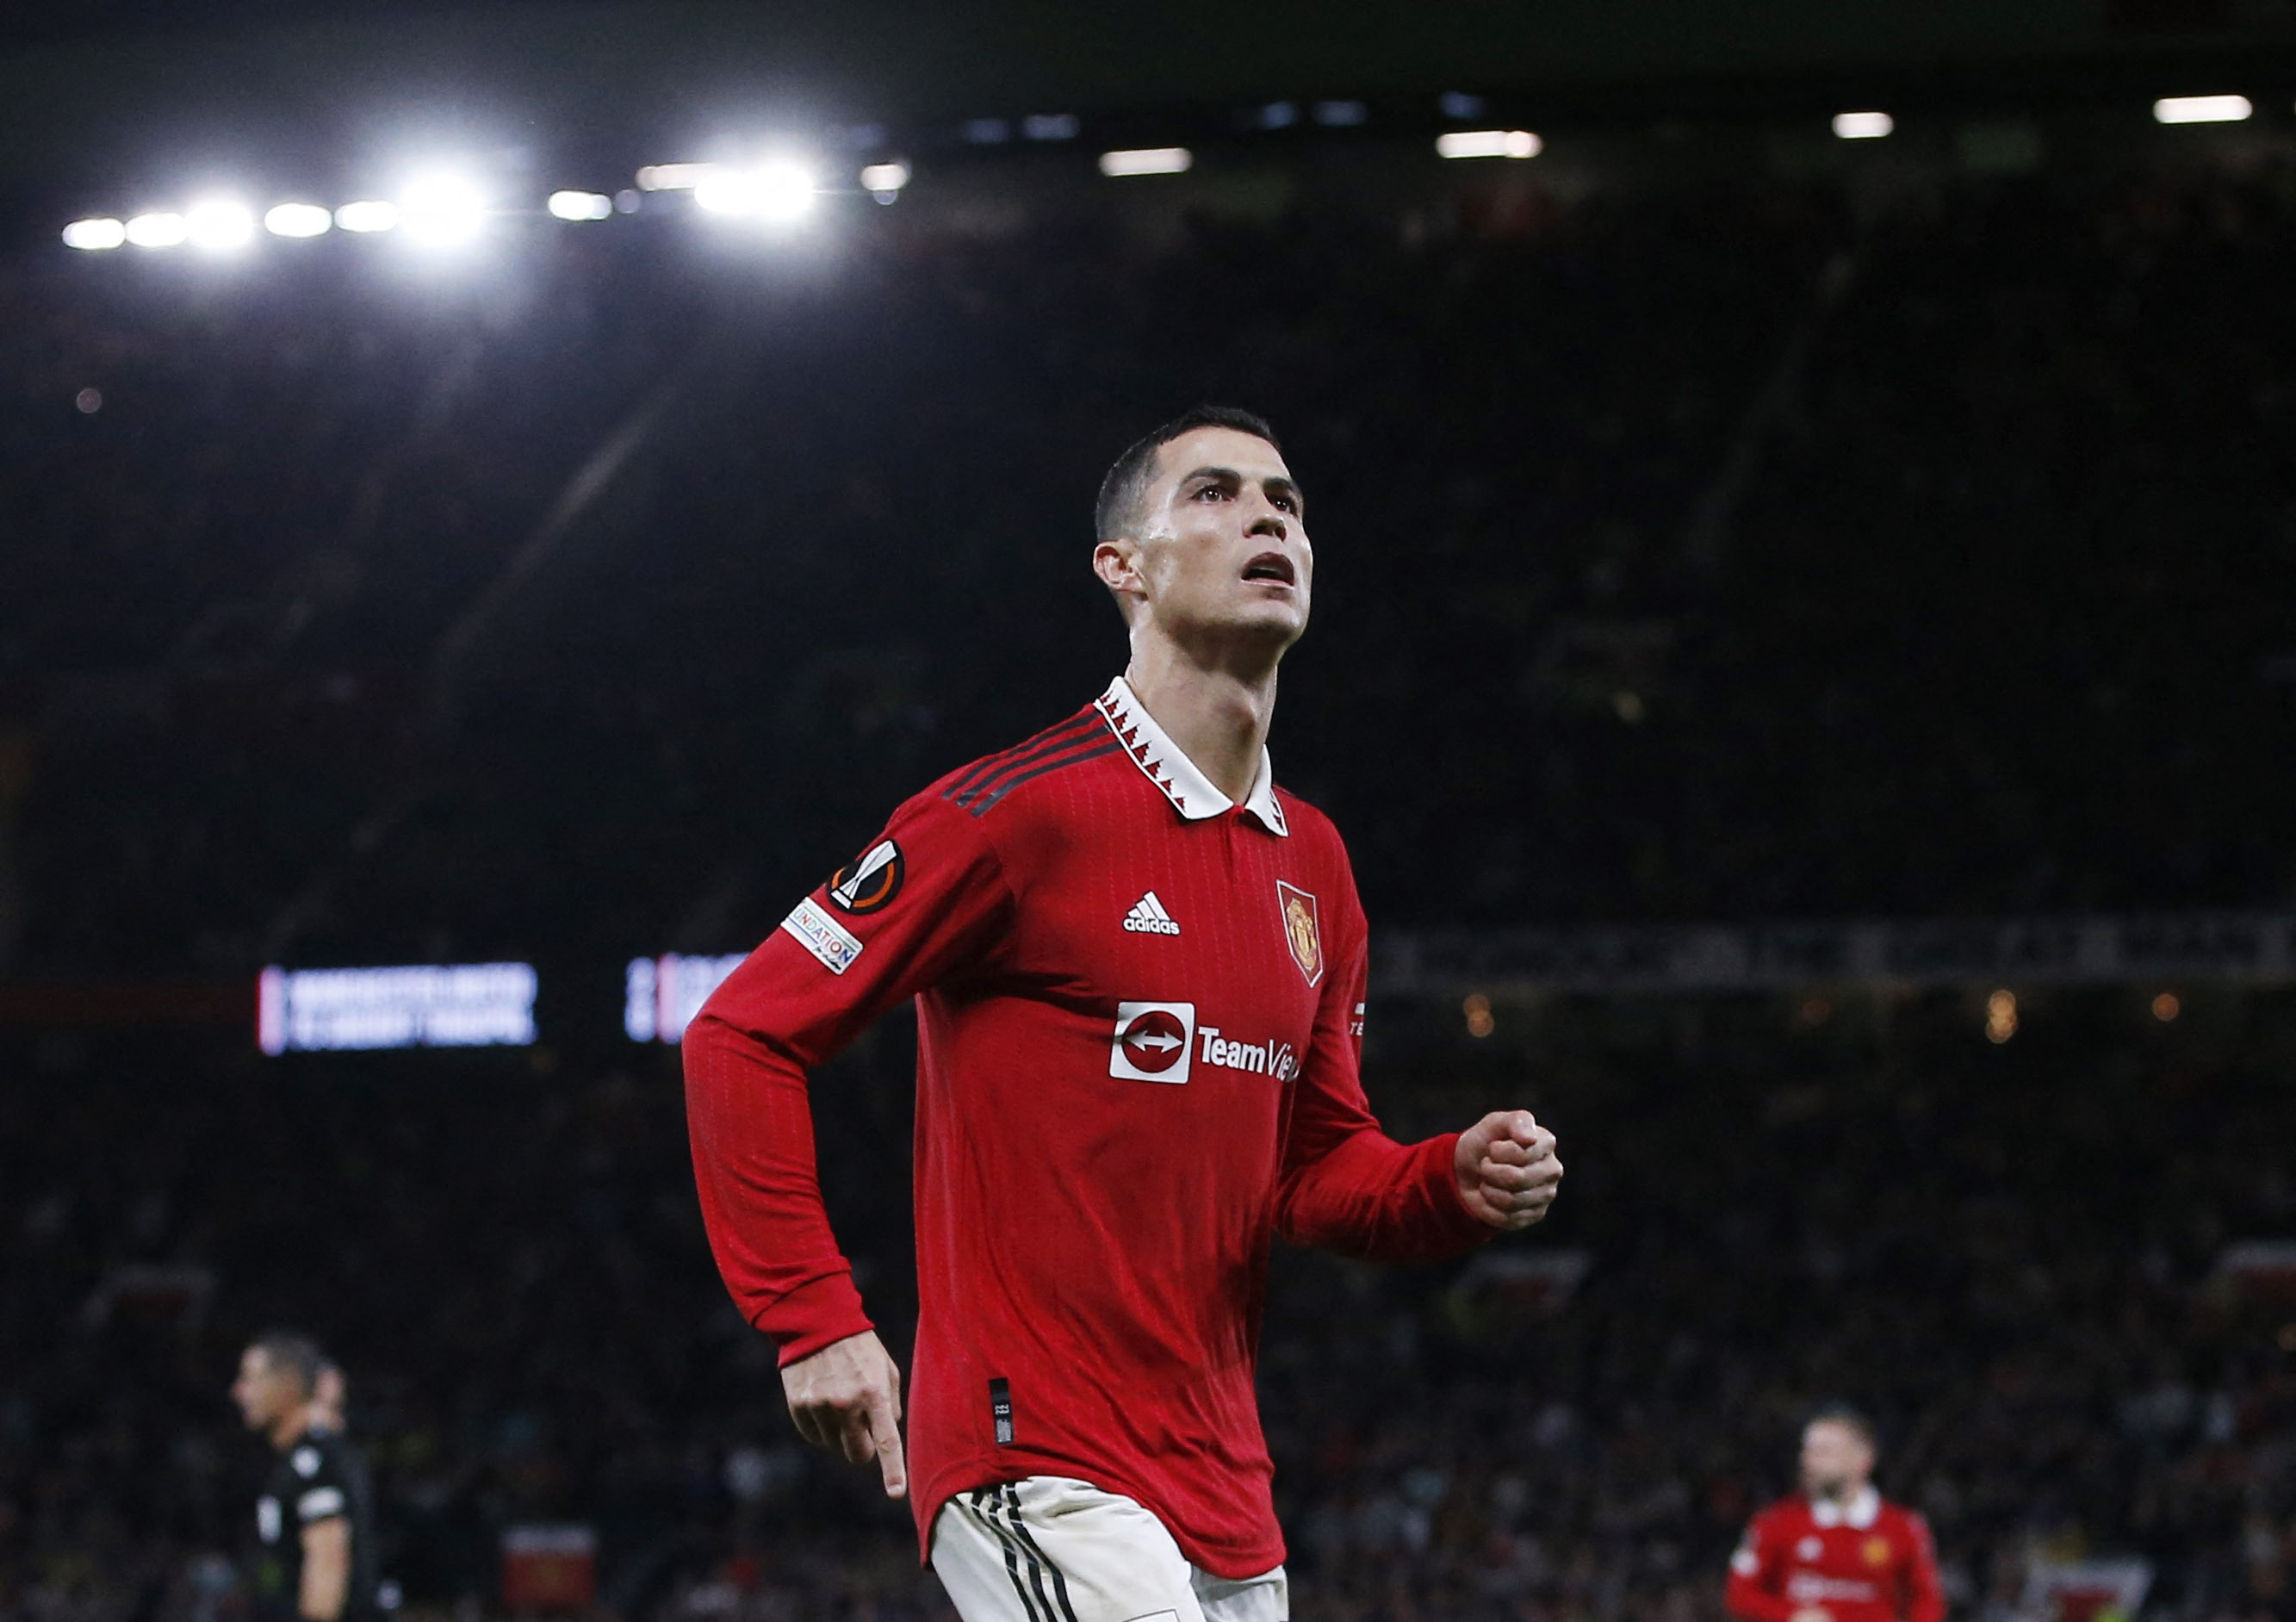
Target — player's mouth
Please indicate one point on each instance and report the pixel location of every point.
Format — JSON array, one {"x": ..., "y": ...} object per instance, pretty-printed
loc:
[{"x": 1271, "y": 568}]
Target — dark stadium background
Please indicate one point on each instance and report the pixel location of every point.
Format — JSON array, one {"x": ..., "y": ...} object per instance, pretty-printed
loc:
[{"x": 1719, "y": 523}]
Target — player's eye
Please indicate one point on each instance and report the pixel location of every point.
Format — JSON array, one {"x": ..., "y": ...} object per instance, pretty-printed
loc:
[{"x": 1217, "y": 491}]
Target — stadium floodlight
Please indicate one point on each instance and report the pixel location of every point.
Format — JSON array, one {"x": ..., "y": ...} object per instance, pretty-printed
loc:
[
  {"x": 779, "y": 191},
  {"x": 371, "y": 215},
  {"x": 1488, "y": 143},
  {"x": 785, "y": 190},
  {"x": 156, "y": 230},
  {"x": 2201, "y": 109},
  {"x": 297, "y": 219},
  {"x": 1862, "y": 126},
  {"x": 581, "y": 205},
  {"x": 1147, "y": 160},
  {"x": 885, "y": 179},
  {"x": 674, "y": 177},
  {"x": 220, "y": 225},
  {"x": 94, "y": 235},
  {"x": 442, "y": 210}
]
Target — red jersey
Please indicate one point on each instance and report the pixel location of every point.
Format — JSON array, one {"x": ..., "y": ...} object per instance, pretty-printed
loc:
[
  {"x": 1865, "y": 1561},
  {"x": 1139, "y": 1015}
]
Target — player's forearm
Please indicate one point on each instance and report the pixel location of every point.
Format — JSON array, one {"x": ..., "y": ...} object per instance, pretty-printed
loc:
[
  {"x": 1371, "y": 1198},
  {"x": 326, "y": 1573},
  {"x": 751, "y": 1130}
]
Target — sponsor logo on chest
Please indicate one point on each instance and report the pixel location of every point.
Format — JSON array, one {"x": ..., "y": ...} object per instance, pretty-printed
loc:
[
  {"x": 1274, "y": 1059},
  {"x": 1160, "y": 1041}
]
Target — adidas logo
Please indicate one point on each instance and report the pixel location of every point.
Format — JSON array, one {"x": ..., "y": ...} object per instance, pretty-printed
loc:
[{"x": 1148, "y": 916}]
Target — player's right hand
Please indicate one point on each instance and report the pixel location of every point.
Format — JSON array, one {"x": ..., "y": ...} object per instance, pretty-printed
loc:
[{"x": 847, "y": 1397}]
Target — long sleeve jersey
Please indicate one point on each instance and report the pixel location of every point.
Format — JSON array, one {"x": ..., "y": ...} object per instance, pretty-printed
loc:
[
  {"x": 1139, "y": 1018},
  {"x": 1868, "y": 1561}
]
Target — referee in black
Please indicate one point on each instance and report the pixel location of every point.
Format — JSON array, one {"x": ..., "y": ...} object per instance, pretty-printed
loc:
[{"x": 315, "y": 1519}]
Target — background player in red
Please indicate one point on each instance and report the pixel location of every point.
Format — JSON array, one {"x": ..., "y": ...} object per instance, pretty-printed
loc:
[
  {"x": 1139, "y": 969},
  {"x": 1836, "y": 1551}
]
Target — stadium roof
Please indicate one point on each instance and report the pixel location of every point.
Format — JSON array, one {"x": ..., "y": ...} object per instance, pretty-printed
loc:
[{"x": 115, "y": 84}]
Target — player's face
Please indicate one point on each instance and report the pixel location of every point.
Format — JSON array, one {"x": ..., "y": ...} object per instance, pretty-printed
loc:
[
  {"x": 1835, "y": 1459},
  {"x": 1223, "y": 549},
  {"x": 264, "y": 1394}
]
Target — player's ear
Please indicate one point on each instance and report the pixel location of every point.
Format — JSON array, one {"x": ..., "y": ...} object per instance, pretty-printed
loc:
[{"x": 1117, "y": 562}]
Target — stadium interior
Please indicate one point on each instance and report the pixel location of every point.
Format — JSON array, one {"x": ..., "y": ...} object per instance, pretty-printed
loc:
[{"x": 1722, "y": 515}]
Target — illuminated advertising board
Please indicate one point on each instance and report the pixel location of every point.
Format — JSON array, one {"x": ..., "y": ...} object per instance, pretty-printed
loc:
[
  {"x": 662, "y": 995},
  {"x": 338, "y": 1010}
]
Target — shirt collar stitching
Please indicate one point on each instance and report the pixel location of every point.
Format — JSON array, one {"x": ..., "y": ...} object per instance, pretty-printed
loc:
[{"x": 1166, "y": 765}]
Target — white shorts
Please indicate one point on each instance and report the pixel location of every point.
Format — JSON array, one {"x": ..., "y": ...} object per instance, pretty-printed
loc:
[{"x": 1053, "y": 1549}]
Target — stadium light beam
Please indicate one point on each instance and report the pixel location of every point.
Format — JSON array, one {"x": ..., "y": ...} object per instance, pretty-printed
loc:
[
  {"x": 367, "y": 217},
  {"x": 156, "y": 230},
  {"x": 1488, "y": 143},
  {"x": 1147, "y": 160},
  {"x": 581, "y": 205},
  {"x": 94, "y": 235},
  {"x": 2201, "y": 109},
  {"x": 1862, "y": 126},
  {"x": 297, "y": 219},
  {"x": 219, "y": 225},
  {"x": 442, "y": 211}
]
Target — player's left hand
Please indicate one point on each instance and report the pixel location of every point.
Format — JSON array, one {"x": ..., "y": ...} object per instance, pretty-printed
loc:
[{"x": 1507, "y": 1168}]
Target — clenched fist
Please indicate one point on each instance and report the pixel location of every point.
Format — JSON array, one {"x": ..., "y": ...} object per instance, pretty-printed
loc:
[
  {"x": 846, "y": 1398},
  {"x": 1507, "y": 1169}
]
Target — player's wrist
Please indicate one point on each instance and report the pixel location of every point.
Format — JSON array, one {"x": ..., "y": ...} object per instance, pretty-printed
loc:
[{"x": 813, "y": 1317}]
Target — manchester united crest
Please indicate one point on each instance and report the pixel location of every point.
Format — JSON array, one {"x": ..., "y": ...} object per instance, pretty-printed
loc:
[
  {"x": 1302, "y": 930},
  {"x": 1877, "y": 1551}
]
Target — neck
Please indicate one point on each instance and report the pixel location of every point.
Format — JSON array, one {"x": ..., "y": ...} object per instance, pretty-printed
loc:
[
  {"x": 1218, "y": 715},
  {"x": 288, "y": 1429}
]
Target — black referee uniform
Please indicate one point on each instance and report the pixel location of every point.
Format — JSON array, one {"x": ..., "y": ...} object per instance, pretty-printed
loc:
[{"x": 321, "y": 1477}]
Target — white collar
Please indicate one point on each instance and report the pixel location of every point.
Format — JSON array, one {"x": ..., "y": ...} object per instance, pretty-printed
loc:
[
  {"x": 1859, "y": 1511},
  {"x": 1170, "y": 769}
]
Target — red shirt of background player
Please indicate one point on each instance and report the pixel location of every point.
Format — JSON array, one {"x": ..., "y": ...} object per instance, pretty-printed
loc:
[{"x": 1862, "y": 1560}]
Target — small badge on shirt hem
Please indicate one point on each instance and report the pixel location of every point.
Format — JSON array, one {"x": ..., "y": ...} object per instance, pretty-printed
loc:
[{"x": 823, "y": 936}]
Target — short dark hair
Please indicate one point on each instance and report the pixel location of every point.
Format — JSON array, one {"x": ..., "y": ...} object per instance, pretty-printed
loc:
[
  {"x": 293, "y": 1351},
  {"x": 1849, "y": 1417},
  {"x": 1128, "y": 481}
]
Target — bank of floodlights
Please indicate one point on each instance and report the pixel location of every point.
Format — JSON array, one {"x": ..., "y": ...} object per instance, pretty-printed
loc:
[
  {"x": 778, "y": 192},
  {"x": 1488, "y": 143},
  {"x": 298, "y": 220},
  {"x": 1147, "y": 160},
  {"x": 575, "y": 206},
  {"x": 2201, "y": 109},
  {"x": 445, "y": 210}
]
